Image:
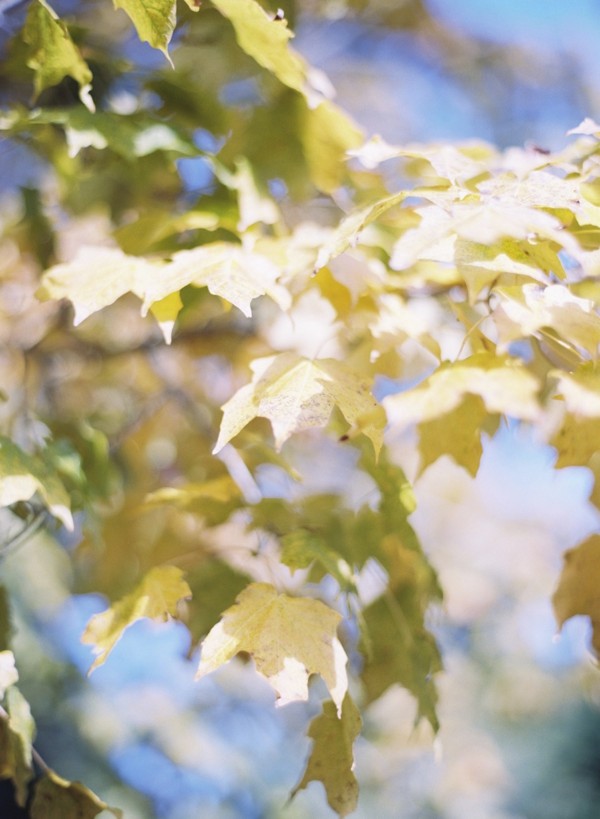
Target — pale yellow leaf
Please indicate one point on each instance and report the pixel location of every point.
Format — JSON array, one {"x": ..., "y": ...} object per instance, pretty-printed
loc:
[
  {"x": 581, "y": 390},
  {"x": 503, "y": 383},
  {"x": 296, "y": 394},
  {"x": 533, "y": 310},
  {"x": 229, "y": 271},
  {"x": 289, "y": 638},
  {"x": 348, "y": 232},
  {"x": 155, "y": 597},
  {"x": 96, "y": 277}
]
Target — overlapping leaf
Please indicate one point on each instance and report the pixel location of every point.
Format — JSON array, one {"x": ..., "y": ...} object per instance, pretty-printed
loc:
[
  {"x": 52, "y": 53},
  {"x": 331, "y": 759},
  {"x": 503, "y": 383},
  {"x": 22, "y": 476},
  {"x": 97, "y": 277},
  {"x": 266, "y": 39},
  {"x": 156, "y": 597},
  {"x": 296, "y": 394},
  {"x": 154, "y": 20},
  {"x": 548, "y": 311},
  {"x": 289, "y": 638}
]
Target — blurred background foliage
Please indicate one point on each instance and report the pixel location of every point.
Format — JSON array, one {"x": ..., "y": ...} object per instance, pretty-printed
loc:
[{"x": 518, "y": 710}]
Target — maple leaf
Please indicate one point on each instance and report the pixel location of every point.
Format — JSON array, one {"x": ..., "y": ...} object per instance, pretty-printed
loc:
[
  {"x": 98, "y": 276},
  {"x": 296, "y": 394},
  {"x": 578, "y": 590},
  {"x": 156, "y": 597},
  {"x": 52, "y": 54},
  {"x": 348, "y": 231},
  {"x": 535, "y": 310},
  {"x": 398, "y": 649},
  {"x": 57, "y": 798},
  {"x": 154, "y": 20},
  {"x": 290, "y": 638},
  {"x": 331, "y": 760},
  {"x": 266, "y": 41},
  {"x": 503, "y": 383},
  {"x": 580, "y": 390}
]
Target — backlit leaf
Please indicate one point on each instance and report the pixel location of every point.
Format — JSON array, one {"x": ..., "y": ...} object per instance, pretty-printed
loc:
[
  {"x": 347, "y": 233},
  {"x": 8, "y": 672},
  {"x": 57, "y": 798},
  {"x": 581, "y": 391},
  {"x": 16, "y": 735},
  {"x": 23, "y": 475},
  {"x": 289, "y": 638},
  {"x": 578, "y": 589},
  {"x": 504, "y": 385},
  {"x": 296, "y": 394},
  {"x": 535, "y": 310},
  {"x": 154, "y": 20},
  {"x": 456, "y": 433},
  {"x": 97, "y": 277},
  {"x": 576, "y": 440},
  {"x": 155, "y": 597},
  {"x": 265, "y": 39},
  {"x": 331, "y": 759},
  {"x": 399, "y": 650},
  {"x": 52, "y": 54}
]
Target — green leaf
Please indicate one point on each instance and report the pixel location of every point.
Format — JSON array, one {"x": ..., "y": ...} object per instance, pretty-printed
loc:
[
  {"x": 327, "y": 133},
  {"x": 332, "y": 759},
  {"x": 23, "y": 475},
  {"x": 156, "y": 597},
  {"x": 214, "y": 499},
  {"x": 214, "y": 584},
  {"x": 57, "y": 798},
  {"x": 296, "y": 394},
  {"x": 6, "y": 626},
  {"x": 154, "y": 20},
  {"x": 300, "y": 548},
  {"x": 578, "y": 590},
  {"x": 265, "y": 39},
  {"x": 290, "y": 638},
  {"x": 17, "y": 730},
  {"x": 397, "y": 647},
  {"x": 52, "y": 54}
]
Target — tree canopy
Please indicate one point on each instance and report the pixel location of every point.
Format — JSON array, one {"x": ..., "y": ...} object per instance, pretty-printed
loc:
[{"x": 228, "y": 314}]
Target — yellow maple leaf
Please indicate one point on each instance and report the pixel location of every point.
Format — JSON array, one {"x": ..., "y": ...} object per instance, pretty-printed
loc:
[
  {"x": 296, "y": 394},
  {"x": 289, "y": 638},
  {"x": 156, "y": 597}
]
